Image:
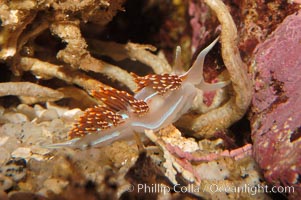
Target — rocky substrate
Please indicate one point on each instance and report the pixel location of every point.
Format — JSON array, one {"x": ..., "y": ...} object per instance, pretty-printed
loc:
[{"x": 276, "y": 105}]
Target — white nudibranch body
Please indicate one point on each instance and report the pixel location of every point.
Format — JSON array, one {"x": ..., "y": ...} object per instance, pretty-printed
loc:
[{"x": 161, "y": 100}]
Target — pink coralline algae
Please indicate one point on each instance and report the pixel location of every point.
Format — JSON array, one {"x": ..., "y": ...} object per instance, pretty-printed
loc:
[
  {"x": 276, "y": 119},
  {"x": 197, "y": 11}
]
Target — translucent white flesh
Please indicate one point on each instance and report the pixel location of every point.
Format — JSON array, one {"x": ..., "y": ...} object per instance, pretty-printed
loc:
[{"x": 163, "y": 109}]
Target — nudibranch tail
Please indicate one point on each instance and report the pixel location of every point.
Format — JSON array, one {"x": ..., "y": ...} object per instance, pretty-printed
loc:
[
  {"x": 102, "y": 125},
  {"x": 61, "y": 144},
  {"x": 107, "y": 137}
]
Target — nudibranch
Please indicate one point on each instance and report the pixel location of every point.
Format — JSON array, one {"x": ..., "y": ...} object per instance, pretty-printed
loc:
[{"x": 160, "y": 100}]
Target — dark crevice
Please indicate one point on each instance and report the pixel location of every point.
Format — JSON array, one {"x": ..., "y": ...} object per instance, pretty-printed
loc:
[{"x": 296, "y": 134}]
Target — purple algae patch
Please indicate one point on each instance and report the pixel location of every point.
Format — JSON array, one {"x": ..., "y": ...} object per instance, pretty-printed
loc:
[{"x": 276, "y": 105}]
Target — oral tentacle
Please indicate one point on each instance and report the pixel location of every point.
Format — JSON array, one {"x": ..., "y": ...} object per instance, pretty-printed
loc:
[
  {"x": 195, "y": 73},
  {"x": 178, "y": 69},
  {"x": 212, "y": 86}
]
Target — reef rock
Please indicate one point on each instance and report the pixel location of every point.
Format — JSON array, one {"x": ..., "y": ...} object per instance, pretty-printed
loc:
[{"x": 276, "y": 116}]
